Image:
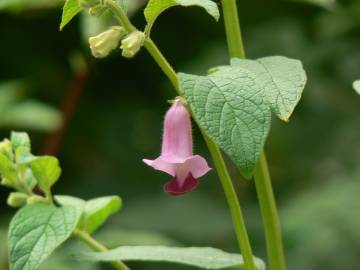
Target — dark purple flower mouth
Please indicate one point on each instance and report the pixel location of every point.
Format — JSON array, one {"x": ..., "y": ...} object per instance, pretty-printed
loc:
[{"x": 173, "y": 187}]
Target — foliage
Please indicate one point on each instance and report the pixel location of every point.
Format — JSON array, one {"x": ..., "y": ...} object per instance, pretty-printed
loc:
[
  {"x": 36, "y": 230},
  {"x": 232, "y": 103},
  {"x": 318, "y": 144},
  {"x": 70, "y": 10},
  {"x": 206, "y": 258},
  {"x": 95, "y": 211},
  {"x": 40, "y": 226}
]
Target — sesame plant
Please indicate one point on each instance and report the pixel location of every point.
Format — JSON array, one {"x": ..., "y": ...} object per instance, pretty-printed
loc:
[{"x": 232, "y": 106}]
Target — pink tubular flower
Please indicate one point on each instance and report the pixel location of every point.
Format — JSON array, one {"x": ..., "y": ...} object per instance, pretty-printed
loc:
[{"x": 177, "y": 157}]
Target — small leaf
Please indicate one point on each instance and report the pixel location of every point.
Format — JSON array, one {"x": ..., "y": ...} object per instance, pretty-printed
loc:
[
  {"x": 98, "y": 210},
  {"x": 21, "y": 145},
  {"x": 47, "y": 171},
  {"x": 6, "y": 149},
  {"x": 203, "y": 257},
  {"x": 70, "y": 10},
  {"x": 20, "y": 140},
  {"x": 155, "y": 7},
  {"x": 356, "y": 86},
  {"x": 65, "y": 200},
  {"x": 232, "y": 104},
  {"x": 23, "y": 156},
  {"x": 30, "y": 179},
  {"x": 95, "y": 211},
  {"x": 36, "y": 231}
]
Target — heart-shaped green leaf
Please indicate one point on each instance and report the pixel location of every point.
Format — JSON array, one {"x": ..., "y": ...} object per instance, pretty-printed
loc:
[
  {"x": 229, "y": 106},
  {"x": 232, "y": 104},
  {"x": 36, "y": 231},
  {"x": 155, "y": 7},
  {"x": 203, "y": 257}
]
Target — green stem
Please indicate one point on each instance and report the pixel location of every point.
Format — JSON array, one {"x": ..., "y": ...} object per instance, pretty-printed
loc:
[
  {"x": 232, "y": 199},
  {"x": 232, "y": 28},
  {"x": 95, "y": 245},
  {"x": 264, "y": 189},
  {"x": 233, "y": 203},
  {"x": 120, "y": 15},
  {"x": 162, "y": 62},
  {"x": 270, "y": 215}
]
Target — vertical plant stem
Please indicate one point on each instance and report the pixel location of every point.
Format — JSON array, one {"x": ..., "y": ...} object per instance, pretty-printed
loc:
[
  {"x": 270, "y": 215},
  {"x": 120, "y": 15},
  {"x": 233, "y": 203},
  {"x": 162, "y": 62},
  {"x": 263, "y": 184},
  {"x": 96, "y": 246},
  {"x": 232, "y": 199},
  {"x": 232, "y": 28}
]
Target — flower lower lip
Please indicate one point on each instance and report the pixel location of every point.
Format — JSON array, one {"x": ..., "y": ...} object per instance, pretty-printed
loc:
[{"x": 174, "y": 188}]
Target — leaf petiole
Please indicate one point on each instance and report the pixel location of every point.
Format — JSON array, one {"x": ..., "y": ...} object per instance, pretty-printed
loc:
[{"x": 97, "y": 246}]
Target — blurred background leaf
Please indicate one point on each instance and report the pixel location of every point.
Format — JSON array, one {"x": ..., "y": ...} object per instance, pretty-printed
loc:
[
  {"x": 328, "y": 4},
  {"x": 323, "y": 222},
  {"x": 26, "y": 114}
]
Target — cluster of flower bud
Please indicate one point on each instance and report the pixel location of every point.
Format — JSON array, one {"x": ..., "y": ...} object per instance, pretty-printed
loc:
[
  {"x": 132, "y": 44},
  {"x": 102, "y": 44}
]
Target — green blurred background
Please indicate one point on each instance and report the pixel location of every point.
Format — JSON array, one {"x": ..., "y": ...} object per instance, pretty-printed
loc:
[{"x": 114, "y": 109}]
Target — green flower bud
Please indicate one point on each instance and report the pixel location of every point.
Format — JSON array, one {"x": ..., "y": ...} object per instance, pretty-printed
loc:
[
  {"x": 132, "y": 44},
  {"x": 37, "y": 199},
  {"x": 17, "y": 199},
  {"x": 102, "y": 44},
  {"x": 6, "y": 149},
  {"x": 88, "y": 3}
]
